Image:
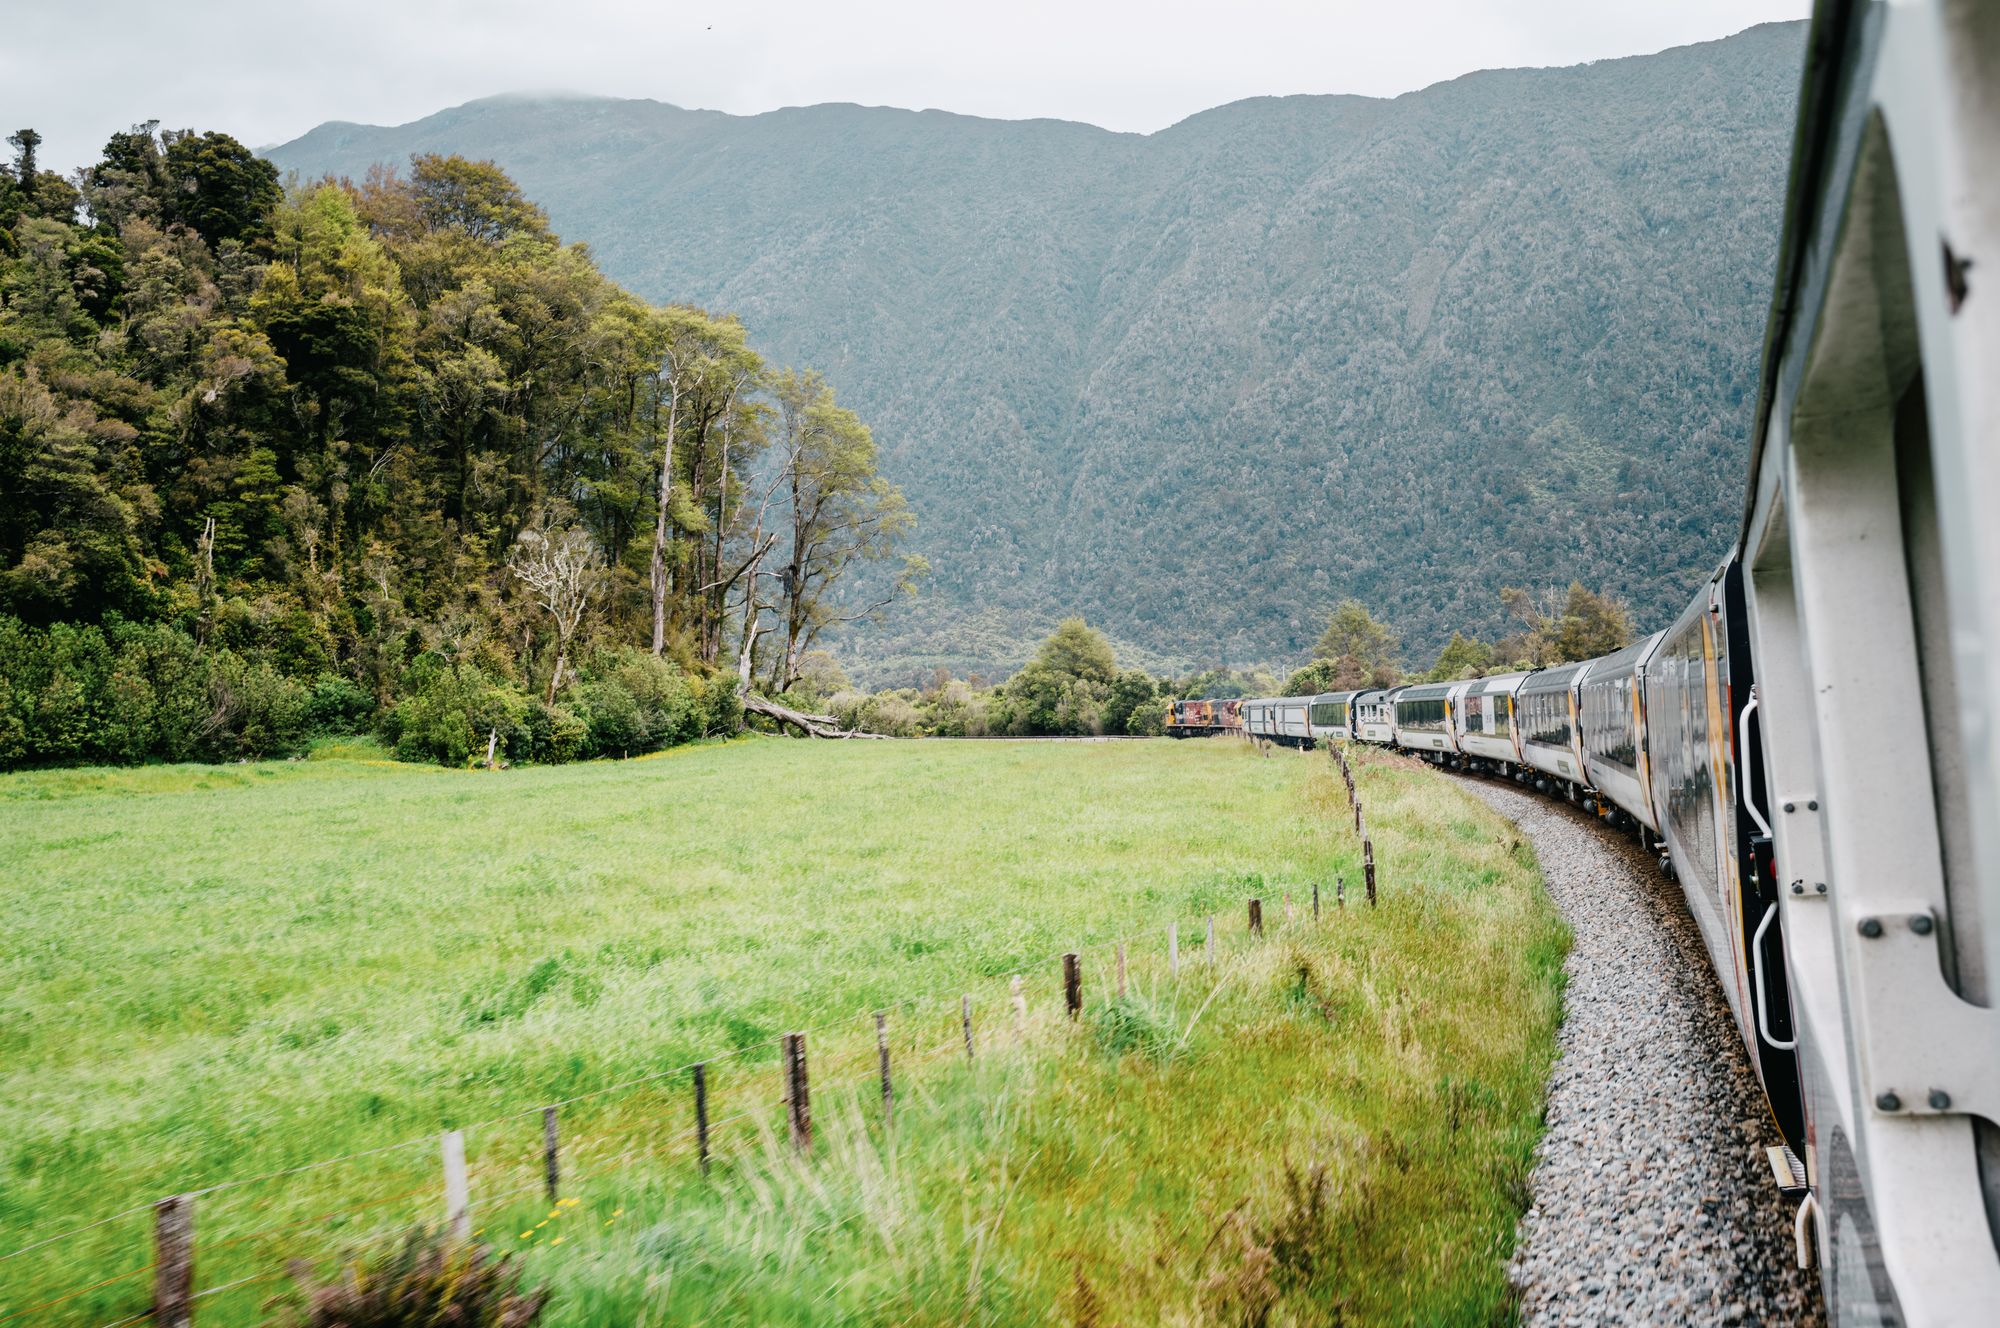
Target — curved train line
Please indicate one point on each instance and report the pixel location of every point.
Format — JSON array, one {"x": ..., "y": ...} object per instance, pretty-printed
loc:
[{"x": 1812, "y": 748}]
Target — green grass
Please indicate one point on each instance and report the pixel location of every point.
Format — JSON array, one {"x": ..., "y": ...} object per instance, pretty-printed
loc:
[{"x": 214, "y": 973}]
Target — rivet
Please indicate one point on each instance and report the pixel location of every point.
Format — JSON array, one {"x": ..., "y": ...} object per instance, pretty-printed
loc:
[
  {"x": 1791, "y": 806},
  {"x": 1888, "y": 1102},
  {"x": 1813, "y": 806},
  {"x": 1798, "y": 887},
  {"x": 1871, "y": 927},
  {"x": 1819, "y": 887},
  {"x": 1921, "y": 923},
  {"x": 1940, "y": 1100}
]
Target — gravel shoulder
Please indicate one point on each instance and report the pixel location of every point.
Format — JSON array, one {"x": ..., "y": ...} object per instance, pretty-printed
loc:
[{"x": 1652, "y": 1200}]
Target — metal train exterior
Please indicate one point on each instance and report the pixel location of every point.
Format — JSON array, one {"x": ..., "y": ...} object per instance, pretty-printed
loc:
[{"x": 1813, "y": 746}]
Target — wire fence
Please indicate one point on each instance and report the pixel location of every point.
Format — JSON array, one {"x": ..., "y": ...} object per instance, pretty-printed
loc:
[{"x": 454, "y": 1198}]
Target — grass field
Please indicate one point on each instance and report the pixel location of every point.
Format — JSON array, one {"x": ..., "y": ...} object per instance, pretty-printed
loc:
[{"x": 212, "y": 974}]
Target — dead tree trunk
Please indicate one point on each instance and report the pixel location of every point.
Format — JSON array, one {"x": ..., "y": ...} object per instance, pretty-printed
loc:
[{"x": 817, "y": 726}]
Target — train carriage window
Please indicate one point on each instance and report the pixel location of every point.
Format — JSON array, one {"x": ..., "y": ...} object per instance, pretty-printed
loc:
[
  {"x": 1329, "y": 714},
  {"x": 1546, "y": 715}
]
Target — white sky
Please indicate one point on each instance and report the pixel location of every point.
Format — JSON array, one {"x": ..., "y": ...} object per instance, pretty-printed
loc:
[{"x": 268, "y": 70}]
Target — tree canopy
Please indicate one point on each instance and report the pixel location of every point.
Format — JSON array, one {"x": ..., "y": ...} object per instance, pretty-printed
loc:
[{"x": 391, "y": 437}]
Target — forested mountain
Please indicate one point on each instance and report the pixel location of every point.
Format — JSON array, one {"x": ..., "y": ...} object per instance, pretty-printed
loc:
[{"x": 1201, "y": 385}]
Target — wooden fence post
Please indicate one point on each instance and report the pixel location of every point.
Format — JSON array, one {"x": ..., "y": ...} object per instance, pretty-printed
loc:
[
  {"x": 1368, "y": 868},
  {"x": 1173, "y": 949},
  {"x": 882, "y": 1057},
  {"x": 1208, "y": 954},
  {"x": 173, "y": 1261},
  {"x": 551, "y": 1164},
  {"x": 798, "y": 1100},
  {"x": 1072, "y": 985},
  {"x": 965, "y": 1020},
  {"x": 1256, "y": 917},
  {"x": 1121, "y": 970},
  {"x": 1315, "y": 901},
  {"x": 457, "y": 1190},
  {"x": 1020, "y": 1005},
  {"x": 701, "y": 1114}
]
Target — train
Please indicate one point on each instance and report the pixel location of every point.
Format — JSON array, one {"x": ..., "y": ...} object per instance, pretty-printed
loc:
[{"x": 1812, "y": 746}]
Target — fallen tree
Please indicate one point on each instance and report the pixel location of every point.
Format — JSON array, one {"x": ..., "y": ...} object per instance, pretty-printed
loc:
[
  {"x": 816, "y": 726},
  {"x": 813, "y": 726}
]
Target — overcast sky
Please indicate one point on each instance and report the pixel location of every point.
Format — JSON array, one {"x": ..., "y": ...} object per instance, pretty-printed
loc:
[{"x": 268, "y": 70}]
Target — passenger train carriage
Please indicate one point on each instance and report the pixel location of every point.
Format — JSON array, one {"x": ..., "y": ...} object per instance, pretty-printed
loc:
[{"x": 1812, "y": 747}]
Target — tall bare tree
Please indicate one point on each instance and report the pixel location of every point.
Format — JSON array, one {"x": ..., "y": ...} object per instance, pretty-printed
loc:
[
  {"x": 558, "y": 564},
  {"x": 671, "y": 383}
]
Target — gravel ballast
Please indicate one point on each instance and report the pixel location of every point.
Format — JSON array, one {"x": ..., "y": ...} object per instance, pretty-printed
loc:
[{"x": 1653, "y": 1203}]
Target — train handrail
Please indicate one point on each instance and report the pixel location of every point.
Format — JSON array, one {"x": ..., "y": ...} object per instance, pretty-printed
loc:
[
  {"x": 1743, "y": 756},
  {"x": 1757, "y": 981}
]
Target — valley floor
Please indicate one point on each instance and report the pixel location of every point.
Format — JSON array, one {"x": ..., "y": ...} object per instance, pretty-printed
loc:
[{"x": 215, "y": 974}]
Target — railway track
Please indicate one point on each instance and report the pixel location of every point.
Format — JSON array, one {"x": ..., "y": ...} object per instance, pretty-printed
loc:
[{"x": 1652, "y": 1202}]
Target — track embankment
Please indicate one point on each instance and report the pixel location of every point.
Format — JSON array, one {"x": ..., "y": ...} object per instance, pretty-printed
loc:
[{"x": 1652, "y": 1200}]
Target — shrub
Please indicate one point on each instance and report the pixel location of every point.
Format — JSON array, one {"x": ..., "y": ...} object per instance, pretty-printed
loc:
[
  {"x": 447, "y": 711},
  {"x": 954, "y": 710},
  {"x": 719, "y": 707},
  {"x": 892, "y": 713},
  {"x": 338, "y": 705},
  {"x": 1129, "y": 691},
  {"x": 256, "y": 711},
  {"x": 1148, "y": 720},
  {"x": 550, "y": 733},
  {"x": 425, "y": 1280},
  {"x": 612, "y": 715},
  {"x": 845, "y": 708},
  {"x": 131, "y": 691},
  {"x": 179, "y": 720}
]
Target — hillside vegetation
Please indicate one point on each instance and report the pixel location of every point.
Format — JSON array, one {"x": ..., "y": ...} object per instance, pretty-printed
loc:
[
  {"x": 346, "y": 954},
  {"x": 1201, "y": 385},
  {"x": 391, "y": 455}
]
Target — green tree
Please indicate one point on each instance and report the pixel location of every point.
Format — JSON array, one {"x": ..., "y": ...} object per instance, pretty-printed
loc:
[
  {"x": 1068, "y": 685},
  {"x": 1462, "y": 657},
  {"x": 1592, "y": 624},
  {"x": 25, "y": 142},
  {"x": 1363, "y": 647},
  {"x": 1580, "y": 624},
  {"x": 1131, "y": 691},
  {"x": 1077, "y": 650},
  {"x": 474, "y": 198},
  {"x": 1322, "y": 675},
  {"x": 219, "y": 188},
  {"x": 838, "y": 513}
]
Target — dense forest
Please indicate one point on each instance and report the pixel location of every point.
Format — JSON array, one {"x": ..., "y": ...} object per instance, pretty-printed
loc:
[
  {"x": 389, "y": 455},
  {"x": 1202, "y": 385}
]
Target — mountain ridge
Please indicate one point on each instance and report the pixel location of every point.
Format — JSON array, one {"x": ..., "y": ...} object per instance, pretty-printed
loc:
[{"x": 1187, "y": 382}]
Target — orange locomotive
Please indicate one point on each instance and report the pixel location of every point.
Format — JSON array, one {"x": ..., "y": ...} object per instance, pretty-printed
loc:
[{"x": 1196, "y": 719}]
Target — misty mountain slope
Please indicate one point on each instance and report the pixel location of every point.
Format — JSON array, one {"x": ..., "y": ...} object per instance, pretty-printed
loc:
[{"x": 1203, "y": 383}]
